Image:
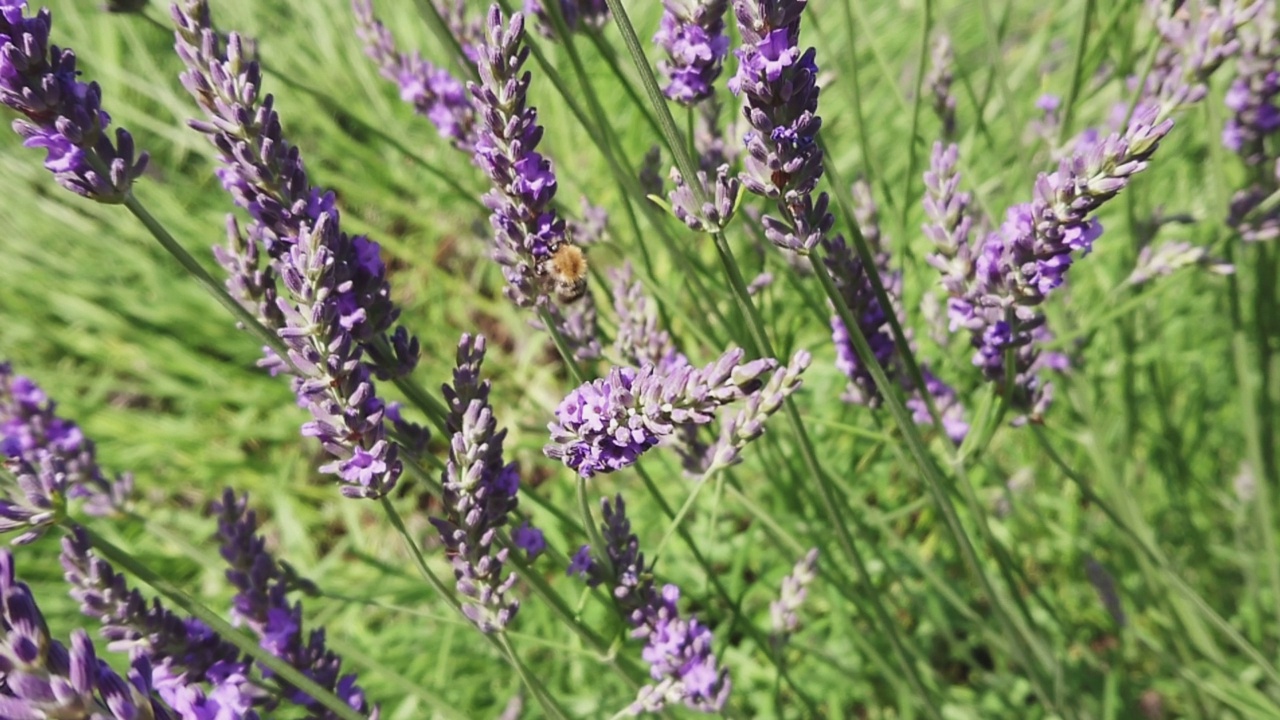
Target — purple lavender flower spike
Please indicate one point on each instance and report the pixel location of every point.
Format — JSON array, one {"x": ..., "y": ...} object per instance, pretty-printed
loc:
[
  {"x": 606, "y": 424},
  {"x": 678, "y": 650},
  {"x": 262, "y": 604},
  {"x": 432, "y": 91},
  {"x": 778, "y": 83},
  {"x": 592, "y": 228},
  {"x": 62, "y": 115},
  {"x": 33, "y": 436},
  {"x": 529, "y": 539},
  {"x": 479, "y": 496},
  {"x": 748, "y": 423},
  {"x": 995, "y": 286},
  {"x": 1254, "y": 102},
  {"x": 45, "y": 679},
  {"x": 528, "y": 231},
  {"x": 713, "y": 215},
  {"x": 181, "y": 652},
  {"x": 783, "y": 612},
  {"x": 1172, "y": 256},
  {"x": 939, "y": 82},
  {"x": 324, "y": 292},
  {"x": 853, "y": 281},
  {"x": 1193, "y": 48},
  {"x": 640, "y": 340},
  {"x": 692, "y": 34}
]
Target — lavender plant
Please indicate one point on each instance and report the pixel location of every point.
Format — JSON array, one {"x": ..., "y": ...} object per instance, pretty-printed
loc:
[{"x": 935, "y": 608}]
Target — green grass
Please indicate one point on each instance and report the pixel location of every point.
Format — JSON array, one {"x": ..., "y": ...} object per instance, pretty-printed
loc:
[{"x": 1133, "y": 467}]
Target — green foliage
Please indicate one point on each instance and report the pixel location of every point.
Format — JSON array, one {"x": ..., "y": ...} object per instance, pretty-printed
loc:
[{"x": 1136, "y": 466}]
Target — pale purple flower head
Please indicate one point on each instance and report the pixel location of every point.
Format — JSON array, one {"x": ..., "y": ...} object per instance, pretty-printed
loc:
[
  {"x": 692, "y": 35},
  {"x": 783, "y": 612},
  {"x": 606, "y": 424},
  {"x": 939, "y": 81},
  {"x": 62, "y": 115}
]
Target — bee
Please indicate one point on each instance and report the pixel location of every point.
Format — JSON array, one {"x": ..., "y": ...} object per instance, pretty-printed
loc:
[{"x": 564, "y": 272}]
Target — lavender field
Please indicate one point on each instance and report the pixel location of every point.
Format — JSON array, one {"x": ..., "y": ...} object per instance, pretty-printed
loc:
[{"x": 741, "y": 358}]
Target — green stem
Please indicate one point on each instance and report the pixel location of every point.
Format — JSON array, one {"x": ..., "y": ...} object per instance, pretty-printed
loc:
[
  {"x": 1157, "y": 557},
  {"x": 934, "y": 479},
  {"x": 202, "y": 276},
  {"x": 1077, "y": 72},
  {"x": 922, "y": 60},
  {"x": 441, "y": 29},
  {"x": 497, "y": 640},
  {"x": 245, "y": 643}
]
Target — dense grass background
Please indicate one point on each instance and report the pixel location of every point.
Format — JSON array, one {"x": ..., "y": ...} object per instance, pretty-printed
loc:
[{"x": 1154, "y": 418}]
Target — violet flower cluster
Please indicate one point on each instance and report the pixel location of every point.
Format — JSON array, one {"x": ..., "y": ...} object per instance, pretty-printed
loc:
[
  {"x": 996, "y": 286},
  {"x": 38, "y": 443},
  {"x": 853, "y": 280},
  {"x": 262, "y": 604},
  {"x": 528, "y": 230},
  {"x": 183, "y": 653},
  {"x": 606, "y": 424},
  {"x": 779, "y": 86},
  {"x": 62, "y": 114},
  {"x": 480, "y": 496},
  {"x": 333, "y": 308},
  {"x": 712, "y": 215},
  {"x": 677, "y": 649},
  {"x": 1254, "y": 102},
  {"x": 1192, "y": 48},
  {"x": 432, "y": 91},
  {"x": 693, "y": 36},
  {"x": 42, "y": 678}
]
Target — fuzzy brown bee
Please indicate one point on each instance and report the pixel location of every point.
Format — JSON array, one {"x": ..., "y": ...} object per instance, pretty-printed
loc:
[{"x": 564, "y": 272}]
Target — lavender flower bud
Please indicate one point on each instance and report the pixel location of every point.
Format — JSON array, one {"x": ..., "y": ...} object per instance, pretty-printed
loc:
[
  {"x": 35, "y": 438},
  {"x": 783, "y": 612},
  {"x": 592, "y": 228},
  {"x": 63, "y": 115},
  {"x": 479, "y": 496},
  {"x": 678, "y": 650},
  {"x": 39, "y": 500},
  {"x": 1105, "y": 585},
  {"x": 994, "y": 291},
  {"x": 778, "y": 83},
  {"x": 432, "y": 91},
  {"x": 262, "y": 604},
  {"x": 650, "y": 174},
  {"x": 640, "y": 340},
  {"x": 939, "y": 80},
  {"x": 748, "y": 423},
  {"x": 605, "y": 425},
  {"x": 853, "y": 281},
  {"x": 692, "y": 35},
  {"x": 713, "y": 215},
  {"x": 43, "y": 679}
]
